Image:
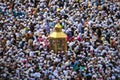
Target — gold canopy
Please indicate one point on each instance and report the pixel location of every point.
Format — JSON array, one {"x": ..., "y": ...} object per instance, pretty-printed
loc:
[{"x": 58, "y": 39}]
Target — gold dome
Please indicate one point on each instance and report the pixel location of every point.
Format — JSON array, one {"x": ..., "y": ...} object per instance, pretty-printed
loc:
[
  {"x": 58, "y": 32},
  {"x": 58, "y": 28}
]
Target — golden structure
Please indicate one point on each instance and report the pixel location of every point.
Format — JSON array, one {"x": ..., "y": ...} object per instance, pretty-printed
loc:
[{"x": 58, "y": 39}]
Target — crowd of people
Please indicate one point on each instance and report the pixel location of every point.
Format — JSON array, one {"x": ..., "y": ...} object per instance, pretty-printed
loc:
[{"x": 93, "y": 30}]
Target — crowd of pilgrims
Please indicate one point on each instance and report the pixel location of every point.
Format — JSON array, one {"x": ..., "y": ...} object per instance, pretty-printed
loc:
[{"x": 93, "y": 38}]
